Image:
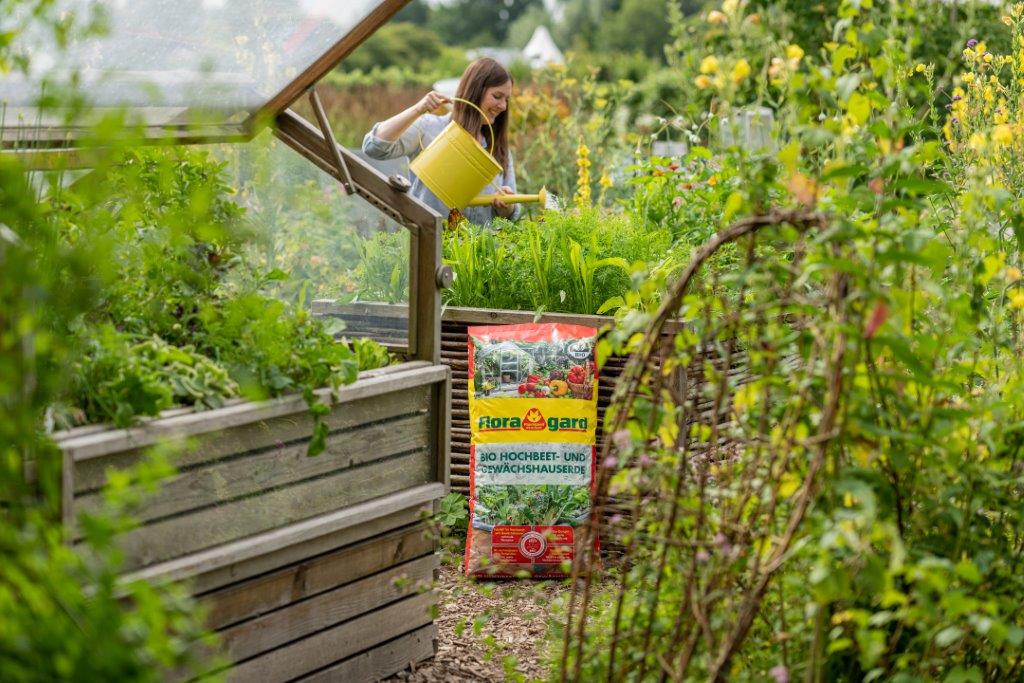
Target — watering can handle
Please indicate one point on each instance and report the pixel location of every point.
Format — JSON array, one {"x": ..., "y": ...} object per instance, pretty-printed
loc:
[{"x": 489, "y": 126}]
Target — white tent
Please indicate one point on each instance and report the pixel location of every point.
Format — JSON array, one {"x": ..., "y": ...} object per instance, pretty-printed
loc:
[{"x": 541, "y": 50}]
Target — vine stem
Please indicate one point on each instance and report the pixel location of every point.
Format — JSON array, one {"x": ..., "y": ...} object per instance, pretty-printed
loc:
[{"x": 626, "y": 393}]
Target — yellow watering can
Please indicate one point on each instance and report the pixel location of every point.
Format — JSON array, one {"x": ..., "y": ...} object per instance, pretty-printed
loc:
[{"x": 455, "y": 166}]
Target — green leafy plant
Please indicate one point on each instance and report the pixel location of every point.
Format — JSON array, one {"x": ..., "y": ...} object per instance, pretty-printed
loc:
[
  {"x": 199, "y": 322},
  {"x": 848, "y": 511},
  {"x": 117, "y": 379},
  {"x": 369, "y": 354},
  {"x": 453, "y": 515},
  {"x": 65, "y": 612},
  {"x": 533, "y": 265},
  {"x": 384, "y": 269},
  {"x": 584, "y": 266},
  {"x": 541, "y": 504}
]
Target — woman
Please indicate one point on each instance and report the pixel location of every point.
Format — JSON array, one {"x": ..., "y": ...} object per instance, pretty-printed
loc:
[{"x": 486, "y": 83}]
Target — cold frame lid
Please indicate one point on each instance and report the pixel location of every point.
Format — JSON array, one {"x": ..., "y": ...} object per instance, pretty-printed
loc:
[{"x": 195, "y": 70}]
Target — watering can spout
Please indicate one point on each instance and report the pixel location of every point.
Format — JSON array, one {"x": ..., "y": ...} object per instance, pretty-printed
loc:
[{"x": 485, "y": 199}]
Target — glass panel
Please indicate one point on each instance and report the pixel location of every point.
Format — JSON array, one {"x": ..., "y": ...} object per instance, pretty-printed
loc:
[
  {"x": 176, "y": 62},
  {"x": 337, "y": 251}
]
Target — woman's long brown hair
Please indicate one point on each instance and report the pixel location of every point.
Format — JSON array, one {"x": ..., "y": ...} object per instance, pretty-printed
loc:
[{"x": 482, "y": 74}]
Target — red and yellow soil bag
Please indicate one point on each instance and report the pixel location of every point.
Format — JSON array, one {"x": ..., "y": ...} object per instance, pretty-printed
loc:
[{"x": 532, "y": 455}]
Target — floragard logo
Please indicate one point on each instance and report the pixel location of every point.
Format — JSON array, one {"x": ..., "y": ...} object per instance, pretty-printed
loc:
[{"x": 532, "y": 421}]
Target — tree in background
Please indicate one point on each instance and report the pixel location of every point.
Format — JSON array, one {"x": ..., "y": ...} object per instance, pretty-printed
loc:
[
  {"x": 581, "y": 20},
  {"x": 628, "y": 26},
  {"x": 521, "y": 30},
  {"x": 396, "y": 44},
  {"x": 472, "y": 22},
  {"x": 416, "y": 12},
  {"x": 638, "y": 26}
]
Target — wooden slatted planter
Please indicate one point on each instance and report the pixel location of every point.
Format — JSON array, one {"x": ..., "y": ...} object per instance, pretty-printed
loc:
[{"x": 311, "y": 568}]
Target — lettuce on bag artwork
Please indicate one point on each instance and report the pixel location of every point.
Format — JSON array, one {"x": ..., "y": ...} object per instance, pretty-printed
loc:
[{"x": 533, "y": 448}]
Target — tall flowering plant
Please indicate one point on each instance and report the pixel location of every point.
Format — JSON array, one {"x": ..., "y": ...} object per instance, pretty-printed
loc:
[{"x": 985, "y": 129}]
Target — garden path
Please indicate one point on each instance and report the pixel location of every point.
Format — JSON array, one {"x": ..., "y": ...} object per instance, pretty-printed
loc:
[{"x": 486, "y": 629}]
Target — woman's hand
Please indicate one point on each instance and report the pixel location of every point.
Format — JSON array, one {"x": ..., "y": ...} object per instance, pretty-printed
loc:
[
  {"x": 501, "y": 208},
  {"x": 431, "y": 102}
]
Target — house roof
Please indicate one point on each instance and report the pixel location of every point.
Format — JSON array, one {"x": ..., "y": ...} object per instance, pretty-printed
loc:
[{"x": 541, "y": 49}]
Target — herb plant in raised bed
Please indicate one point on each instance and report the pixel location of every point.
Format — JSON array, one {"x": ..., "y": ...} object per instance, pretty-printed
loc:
[
  {"x": 191, "y": 322},
  {"x": 572, "y": 262}
]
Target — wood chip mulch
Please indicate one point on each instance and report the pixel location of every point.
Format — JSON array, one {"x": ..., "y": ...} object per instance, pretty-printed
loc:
[{"x": 481, "y": 625}]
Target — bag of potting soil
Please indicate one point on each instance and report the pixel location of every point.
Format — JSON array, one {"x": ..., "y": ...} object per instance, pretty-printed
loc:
[{"x": 532, "y": 456}]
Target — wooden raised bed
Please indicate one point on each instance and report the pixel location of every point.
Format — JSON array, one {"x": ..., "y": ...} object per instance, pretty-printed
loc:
[
  {"x": 311, "y": 568},
  {"x": 386, "y": 323}
]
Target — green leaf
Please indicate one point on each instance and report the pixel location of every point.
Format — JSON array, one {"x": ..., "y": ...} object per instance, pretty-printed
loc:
[
  {"x": 859, "y": 108},
  {"x": 611, "y": 304},
  {"x": 318, "y": 442},
  {"x": 922, "y": 186},
  {"x": 948, "y": 636},
  {"x": 840, "y": 55},
  {"x": 732, "y": 206},
  {"x": 613, "y": 261},
  {"x": 968, "y": 571},
  {"x": 961, "y": 675}
]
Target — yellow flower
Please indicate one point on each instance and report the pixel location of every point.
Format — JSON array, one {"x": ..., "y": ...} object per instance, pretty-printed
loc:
[
  {"x": 919, "y": 68},
  {"x": 1006, "y": 20},
  {"x": 606, "y": 181},
  {"x": 1017, "y": 299},
  {"x": 1002, "y": 135},
  {"x": 600, "y": 103},
  {"x": 794, "y": 52},
  {"x": 702, "y": 82},
  {"x": 583, "y": 175},
  {"x": 740, "y": 71},
  {"x": 709, "y": 65},
  {"x": 987, "y": 57},
  {"x": 967, "y": 78},
  {"x": 716, "y": 17},
  {"x": 713, "y": 180},
  {"x": 1013, "y": 274},
  {"x": 730, "y": 6}
]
